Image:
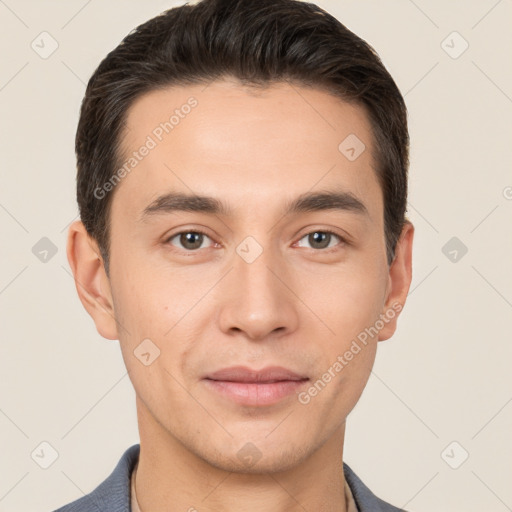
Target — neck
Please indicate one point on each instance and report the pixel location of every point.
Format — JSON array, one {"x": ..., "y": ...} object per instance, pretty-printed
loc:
[{"x": 170, "y": 477}]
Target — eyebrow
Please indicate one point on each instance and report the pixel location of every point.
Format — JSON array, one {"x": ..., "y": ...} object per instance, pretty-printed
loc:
[{"x": 173, "y": 202}]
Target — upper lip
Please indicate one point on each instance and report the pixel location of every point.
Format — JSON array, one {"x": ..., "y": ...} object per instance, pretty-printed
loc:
[{"x": 244, "y": 374}]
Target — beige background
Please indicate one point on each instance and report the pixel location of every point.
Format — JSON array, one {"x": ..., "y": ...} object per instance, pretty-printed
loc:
[{"x": 444, "y": 377}]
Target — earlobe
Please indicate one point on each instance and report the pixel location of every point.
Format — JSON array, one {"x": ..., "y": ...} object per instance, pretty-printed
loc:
[
  {"x": 400, "y": 276},
  {"x": 91, "y": 281}
]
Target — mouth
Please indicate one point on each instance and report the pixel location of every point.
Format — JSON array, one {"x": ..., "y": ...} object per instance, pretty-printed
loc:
[{"x": 255, "y": 387}]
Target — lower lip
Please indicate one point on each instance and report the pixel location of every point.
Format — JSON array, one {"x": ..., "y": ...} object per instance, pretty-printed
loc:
[{"x": 256, "y": 394}]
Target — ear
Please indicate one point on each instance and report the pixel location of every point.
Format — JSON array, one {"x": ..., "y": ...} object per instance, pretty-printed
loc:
[
  {"x": 400, "y": 276},
  {"x": 91, "y": 281}
]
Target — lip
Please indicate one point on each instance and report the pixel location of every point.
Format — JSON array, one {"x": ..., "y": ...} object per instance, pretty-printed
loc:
[{"x": 263, "y": 387}]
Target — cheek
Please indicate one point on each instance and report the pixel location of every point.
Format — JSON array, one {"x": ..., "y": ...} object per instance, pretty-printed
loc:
[
  {"x": 150, "y": 308},
  {"x": 349, "y": 300},
  {"x": 151, "y": 301},
  {"x": 348, "y": 353},
  {"x": 161, "y": 315}
]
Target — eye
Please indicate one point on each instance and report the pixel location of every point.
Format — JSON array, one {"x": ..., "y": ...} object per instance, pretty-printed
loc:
[
  {"x": 189, "y": 240},
  {"x": 321, "y": 239}
]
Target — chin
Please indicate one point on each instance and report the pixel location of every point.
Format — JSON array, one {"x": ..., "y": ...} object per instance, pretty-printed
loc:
[{"x": 256, "y": 459}]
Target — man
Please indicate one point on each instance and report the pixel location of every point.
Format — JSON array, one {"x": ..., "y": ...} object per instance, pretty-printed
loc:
[{"x": 242, "y": 183}]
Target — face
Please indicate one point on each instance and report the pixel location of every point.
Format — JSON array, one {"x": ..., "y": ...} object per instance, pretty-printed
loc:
[{"x": 249, "y": 301}]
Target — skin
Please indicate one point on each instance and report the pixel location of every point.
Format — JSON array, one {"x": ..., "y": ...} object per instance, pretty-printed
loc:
[{"x": 297, "y": 305}]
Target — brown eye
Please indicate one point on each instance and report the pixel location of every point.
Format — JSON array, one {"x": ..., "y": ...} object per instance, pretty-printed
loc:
[
  {"x": 188, "y": 240},
  {"x": 321, "y": 239}
]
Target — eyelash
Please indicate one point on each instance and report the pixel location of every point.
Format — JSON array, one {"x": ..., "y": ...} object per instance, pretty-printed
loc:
[{"x": 342, "y": 240}]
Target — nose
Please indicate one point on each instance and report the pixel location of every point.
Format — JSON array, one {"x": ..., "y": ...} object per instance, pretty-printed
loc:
[{"x": 257, "y": 298}]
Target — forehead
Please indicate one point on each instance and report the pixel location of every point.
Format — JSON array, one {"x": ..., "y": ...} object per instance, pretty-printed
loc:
[{"x": 250, "y": 145}]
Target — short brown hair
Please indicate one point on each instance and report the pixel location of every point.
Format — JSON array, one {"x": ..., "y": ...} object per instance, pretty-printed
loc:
[{"x": 259, "y": 43}]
